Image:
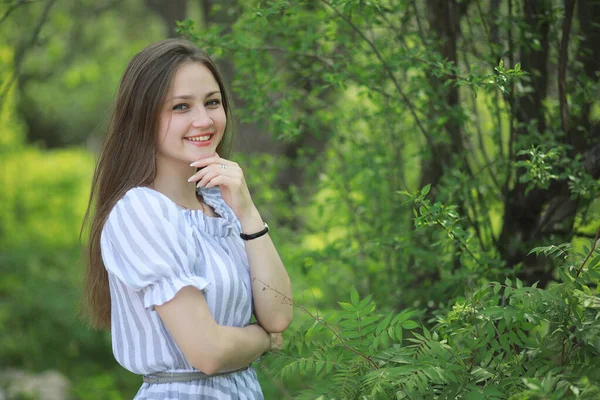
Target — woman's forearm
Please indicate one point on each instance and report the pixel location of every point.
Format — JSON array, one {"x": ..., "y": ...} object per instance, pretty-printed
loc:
[
  {"x": 273, "y": 311},
  {"x": 241, "y": 346},
  {"x": 208, "y": 346}
]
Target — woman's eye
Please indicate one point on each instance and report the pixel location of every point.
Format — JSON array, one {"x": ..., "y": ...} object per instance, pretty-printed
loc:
[
  {"x": 181, "y": 107},
  {"x": 213, "y": 103}
]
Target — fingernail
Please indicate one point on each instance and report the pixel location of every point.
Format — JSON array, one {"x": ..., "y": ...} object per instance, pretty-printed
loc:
[
  {"x": 193, "y": 164},
  {"x": 191, "y": 178},
  {"x": 198, "y": 185}
]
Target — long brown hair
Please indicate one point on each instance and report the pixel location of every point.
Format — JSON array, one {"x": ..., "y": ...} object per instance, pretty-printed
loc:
[{"x": 127, "y": 157}]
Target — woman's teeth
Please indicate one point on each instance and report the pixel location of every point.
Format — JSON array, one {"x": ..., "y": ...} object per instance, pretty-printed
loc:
[{"x": 199, "y": 138}]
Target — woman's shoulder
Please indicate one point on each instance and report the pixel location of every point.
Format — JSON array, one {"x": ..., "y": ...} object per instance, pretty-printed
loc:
[
  {"x": 144, "y": 213},
  {"x": 146, "y": 202}
]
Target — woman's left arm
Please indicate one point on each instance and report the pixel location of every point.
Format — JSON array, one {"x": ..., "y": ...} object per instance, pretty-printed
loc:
[
  {"x": 271, "y": 286},
  {"x": 273, "y": 310}
]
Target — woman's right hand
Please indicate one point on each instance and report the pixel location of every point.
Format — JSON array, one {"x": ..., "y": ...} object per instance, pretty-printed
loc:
[
  {"x": 276, "y": 341},
  {"x": 272, "y": 341}
]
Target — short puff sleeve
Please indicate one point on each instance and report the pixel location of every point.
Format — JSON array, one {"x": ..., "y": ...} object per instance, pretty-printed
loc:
[{"x": 147, "y": 245}]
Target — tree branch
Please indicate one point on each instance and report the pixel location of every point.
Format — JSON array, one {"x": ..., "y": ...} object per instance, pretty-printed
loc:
[
  {"x": 563, "y": 57},
  {"x": 12, "y": 8},
  {"x": 590, "y": 253},
  {"x": 21, "y": 54},
  {"x": 389, "y": 72}
]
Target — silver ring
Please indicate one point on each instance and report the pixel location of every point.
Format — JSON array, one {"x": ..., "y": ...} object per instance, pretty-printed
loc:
[{"x": 223, "y": 166}]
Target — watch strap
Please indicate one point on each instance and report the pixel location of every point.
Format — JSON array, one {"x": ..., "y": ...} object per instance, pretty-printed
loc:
[{"x": 250, "y": 236}]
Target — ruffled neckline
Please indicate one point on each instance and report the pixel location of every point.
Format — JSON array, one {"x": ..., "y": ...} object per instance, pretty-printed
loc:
[{"x": 223, "y": 225}]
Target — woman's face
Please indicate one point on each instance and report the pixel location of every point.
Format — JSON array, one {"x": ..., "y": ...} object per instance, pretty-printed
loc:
[{"x": 192, "y": 118}]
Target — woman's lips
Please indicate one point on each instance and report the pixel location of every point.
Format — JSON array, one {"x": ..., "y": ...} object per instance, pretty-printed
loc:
[{"x": 200, "y": 143}]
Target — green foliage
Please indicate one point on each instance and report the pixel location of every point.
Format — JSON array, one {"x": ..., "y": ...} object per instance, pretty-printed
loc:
[
  {"x": 366, "y": 78},
  {"x": 358, "y": 92},
  {"x": 502, "y": 340},
  {"x": 550, "y": 162},
  {"x": 44, "y": 195},
  {"x": 67, "y": 83}
]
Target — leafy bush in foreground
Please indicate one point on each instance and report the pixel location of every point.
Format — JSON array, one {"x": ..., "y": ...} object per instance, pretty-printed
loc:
[{"x": 502, "y": 340}]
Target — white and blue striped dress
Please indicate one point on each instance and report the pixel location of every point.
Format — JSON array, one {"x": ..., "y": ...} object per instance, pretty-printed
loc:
[{"x": 151, "y": 248}]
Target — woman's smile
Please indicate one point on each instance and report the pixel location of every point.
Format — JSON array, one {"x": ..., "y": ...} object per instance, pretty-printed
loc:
[{"x": 200, "y": 141}]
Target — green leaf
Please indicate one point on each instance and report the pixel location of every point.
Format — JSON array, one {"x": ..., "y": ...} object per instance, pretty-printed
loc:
[
  {"x": 354, "y": 297},
  {"x": 369, "y": 320},
  {"x": 497, "y": 287},
  {"x": 368, "y": 309},
  {"x": 391, "y": 333},
  {"x": 493, "y": 390},
  {"x": 490, "y": 332},
  {"x": 475, "y": 395},
  {"x": 515, "y": 339},
  {"x": 347, "y": 306},
  {"x": 350, "y": 335},
  {"x": 504, "y": 343},
  {"x": 425, "y": 189},
  {"x": 383, "y": 324},
  {"x": 501, "y": 326},
  {"x": 365, "y": 302},
  {"x": 409, "y": 324},
  {"x": 403, "y": 316},
  {"x": 399, "y": 334}
]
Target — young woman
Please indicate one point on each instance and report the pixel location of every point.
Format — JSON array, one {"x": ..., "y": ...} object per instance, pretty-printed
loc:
[{"x": 179, "y": 256}]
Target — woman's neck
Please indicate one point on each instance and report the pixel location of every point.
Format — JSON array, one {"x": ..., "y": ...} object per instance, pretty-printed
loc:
[{"x": 172, "y": 182}]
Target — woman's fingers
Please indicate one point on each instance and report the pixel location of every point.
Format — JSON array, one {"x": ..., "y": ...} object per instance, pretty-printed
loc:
[
  {"x": 229, "y": 177},
  {"x": 212, "y": 160},
  {"x": 219, "y": 180},
  {"x": 204, "y": 162},
  {"x": 215, "y": 168},
  {"x": 209, "y": 164},
  {"x": 205, "y": 177}
]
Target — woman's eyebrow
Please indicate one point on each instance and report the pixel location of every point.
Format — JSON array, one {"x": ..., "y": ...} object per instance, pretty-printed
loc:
[
  {"x": 192, "y": 97},
  {"x": 212, "y": 93}
]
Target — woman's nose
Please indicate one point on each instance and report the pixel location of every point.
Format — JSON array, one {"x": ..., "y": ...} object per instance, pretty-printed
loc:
[{"x": 201, "y": 119}]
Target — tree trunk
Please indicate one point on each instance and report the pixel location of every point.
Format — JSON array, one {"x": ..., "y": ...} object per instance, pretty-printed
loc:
[
  {"x": 531, "y": 218},
  {"x": 444, "y": 20}
]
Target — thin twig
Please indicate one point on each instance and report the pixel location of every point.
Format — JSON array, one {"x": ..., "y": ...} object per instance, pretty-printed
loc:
[
  {"x": 474, "y": 354},
  {"x": 459, "y": 240},
  {"x": 322, "y": 59},
  {"x": 486, "y": 28},
  {"x": 399, "y": 35},
  {"x": 390, "y": 73},
  {"x": 421, "y": 31},
  {"x": 322, "y": 322},
  {"x": 590, "y": 253}
]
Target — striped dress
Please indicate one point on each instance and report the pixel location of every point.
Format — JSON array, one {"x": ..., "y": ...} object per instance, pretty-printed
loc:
[{"x": 151, "y": 248}]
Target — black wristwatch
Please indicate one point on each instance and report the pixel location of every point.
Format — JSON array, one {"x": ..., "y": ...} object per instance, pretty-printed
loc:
[{"x": 258, "y": 234}]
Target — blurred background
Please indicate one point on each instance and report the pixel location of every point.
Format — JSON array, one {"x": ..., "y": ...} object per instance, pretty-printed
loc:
[{"x": 345, "y": 111}]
